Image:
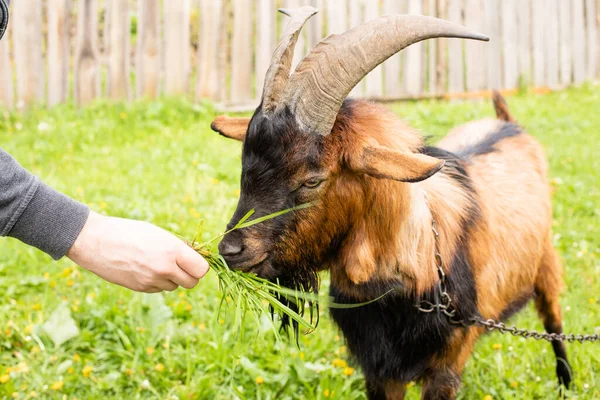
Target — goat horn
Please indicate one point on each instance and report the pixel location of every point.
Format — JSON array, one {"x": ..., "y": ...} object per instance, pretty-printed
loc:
[
  {"x": 324, "y": 78},
  {"x": 279, "y": 70}
]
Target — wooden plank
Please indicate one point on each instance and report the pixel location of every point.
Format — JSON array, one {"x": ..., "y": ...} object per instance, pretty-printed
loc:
[
  {"x": 148, "y": 50},
  {"x": 355, "y": 19},
  {"x": 551, "y": 49},
  {"x": 177, "y": 46},
  {"x": 509, "y": 12},
  {"x": 565, "y": 43},
  {"x": 26, "y": 24},
  {"x": 494, "y": 47},
  {"x": 300, "y": 49},
  {"x": 58, "y": 50},
  {"x": 441, "y": 51},
  {"x": 456, "y": 82},
  {"x": 241, "y": 52},
  {"x": 431, "y": 52},
  {"x": 7, "y": 95},
  {"x": 337, "y": 21},
  {"x": 591, "y": 17},
  {"x": 524, "y": 44},
  {"x": 577, "y": 23},
  {"x": 476, "y": 67},
  {"x": 265, "y": 40},
  {"x": 538, "y": 28},
  {"x": 223, "y": 51},
  {"x": 391, "y": 68},
  {"x": 374, "y": 79},
  {"x": 117, "y": 49},
  {"x": 87, "y": 74},
  {"x": 314, "y": 26},
  {"x": 413, "y": 61}
]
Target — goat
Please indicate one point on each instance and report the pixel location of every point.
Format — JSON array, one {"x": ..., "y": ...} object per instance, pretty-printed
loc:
[{"x": 378, "y": 190}]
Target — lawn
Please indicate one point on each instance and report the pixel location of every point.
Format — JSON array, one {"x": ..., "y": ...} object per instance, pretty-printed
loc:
[{"x": 161, "y": 163}]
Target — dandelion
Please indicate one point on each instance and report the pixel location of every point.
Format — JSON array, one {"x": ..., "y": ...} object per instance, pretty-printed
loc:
[
  {"x": 497, "y": 346},
  {"x": 327, "y": 393},
  {"x": 103, "y": 205},
  {"x": 592, "y": 300},
  {"x": 348, "y": 371},
  {"x": 65, "y": 272},
  {"x": 4, "y": 378},
  {"x": 57, "y": 385},
  {"x": 337, "y": 338},
  {"x": 202, "y": 327},
  {"x": 123, "y": 115},
  {"x": 46, "y": 275},
  {"x": 15, "y": 395},
  {"x": 33, "y": 394},
  {"x": 128, "y": 372},
  {"x": 159, "y": 367},
  {"x": 215, "y": 181},
  {"x": 302, "y": 355},
  {"x": 259, "y": 380},
  {"x": 53, "y": 284},
  {"x": 140, "y": 329},
  {"x": 76, "y": 358},
  {"x": 87, "y": 370},
  {"x": 71, "y": 370},
  {"x": 150, "y": 350},
  {"x": 37, "y": 307},
  {"x": 221, "y": 321},
  {"x": 488, "y": 397},
  {"x": 514, "y": 384},
  {"x": 188, "y": 307},
  {"x": 70, "y": 282},
  {"x": 338, "y": 362}
]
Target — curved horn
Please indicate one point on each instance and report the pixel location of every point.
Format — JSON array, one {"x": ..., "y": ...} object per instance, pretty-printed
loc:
[
  {"x": 279, "y": 70},
  {"x": 324, "y": 78}
]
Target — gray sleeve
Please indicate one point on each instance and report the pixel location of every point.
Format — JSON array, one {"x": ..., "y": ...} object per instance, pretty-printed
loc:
[{"x": 35, "y": 213}]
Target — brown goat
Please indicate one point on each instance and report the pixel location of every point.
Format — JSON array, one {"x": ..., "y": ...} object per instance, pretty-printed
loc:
[{"x": 378, "y": 191}]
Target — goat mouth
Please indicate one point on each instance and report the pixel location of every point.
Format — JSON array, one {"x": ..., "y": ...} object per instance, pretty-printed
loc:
[{"x": 250, "y": 266}]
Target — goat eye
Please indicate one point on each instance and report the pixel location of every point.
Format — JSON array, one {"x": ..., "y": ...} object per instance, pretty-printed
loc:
[{"x": 312, "y": 183}]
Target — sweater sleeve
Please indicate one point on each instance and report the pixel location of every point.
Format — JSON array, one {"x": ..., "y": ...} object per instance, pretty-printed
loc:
[{"x": 36, "y": 214}]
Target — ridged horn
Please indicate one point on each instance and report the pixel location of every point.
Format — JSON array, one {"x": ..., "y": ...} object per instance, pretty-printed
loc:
[
  {"x": 279, "y": 70},
  {"x": 324, "y": 78}
]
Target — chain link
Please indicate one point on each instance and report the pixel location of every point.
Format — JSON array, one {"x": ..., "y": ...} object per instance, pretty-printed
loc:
[{"x": 445, "y": 306}]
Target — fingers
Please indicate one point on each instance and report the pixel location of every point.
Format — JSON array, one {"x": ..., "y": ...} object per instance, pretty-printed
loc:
[
  {"x": 191, "y": 262},
  {"x": 166, "y": 285},
  {"x": 183, "y": 279}
]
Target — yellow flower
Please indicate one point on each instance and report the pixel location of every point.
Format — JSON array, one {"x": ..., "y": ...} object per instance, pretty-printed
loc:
[
  {"x": 37, "y": 306},
  {"x": 76, "y": 358},
  {"x": 150, "y": 350},
  {"x": 4, "y": 378},
  {"x": 159, "y": 367},
  {"x": 497, "y": 346},
  {"x": 87, "y": 370},
  {"x": 92, "y": 295},
  {"x": 128, "y": 372},
  {"x": 57, "y": 385},
  {"x": 259, "y": 380},
  {"x": 123, "y": 115},
  {"x": 71, "y": 370},
  {"x": 65, "y": 272},
  {"x": 46, "y": 275},
  {"x": 32, "y": 394},
  {"x": 488, "y": 397},
  {"x": 70, "y": 282},
  {"x": 236, "y": 192},
  {"x": 15, "y": 395},
  {"x": 592, "y": 300},
  {"x": 327, "y": 393},
  {"x": 338, "y": 362},
  {"x": 301, "y": 355},
  {"x": 202, "y": 327},
  {"x": 337, "y": 338},
  {"x": 53, "y": 284},
  {"x": 514, "y": 384},
  {"x": 221, "y": 321},
  {"x": 74, "y": 308},
  {"x": 28, "y": 329},
  {"x": 348, "y": 371},
  {"x": 103, "y": 205},
  {"x": 188, "y": 307}
]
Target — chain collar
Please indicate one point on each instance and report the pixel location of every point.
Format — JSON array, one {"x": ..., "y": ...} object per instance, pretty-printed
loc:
[{"x": 445, "y": 306}]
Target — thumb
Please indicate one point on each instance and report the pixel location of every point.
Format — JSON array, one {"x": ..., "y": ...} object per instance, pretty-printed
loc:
[{"x": 191, "y": 262}]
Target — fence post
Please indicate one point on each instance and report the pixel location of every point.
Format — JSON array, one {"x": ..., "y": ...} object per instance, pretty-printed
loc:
[
  {"x": 592, "y": 38},
  {"x": 493, "y": 47},
  {"x": 476, "y": 65},
  {"x": 456, "y": 80},
  {"x": 578, "y": 43},
  {"x": 441, "y": 52},
  {"x": 148, "y": 50},
  {"x": 117, "y": 49},
  {"x": 374, "y": 80},
  {"x": 413, "y": 59},
  {"x": 26, "y": 25},
  {"x": 355, "y": 18},
  {"x": 391, "y": 68},
  {"x": 509, "y": 44},
  {"x": 6, "y": 73},
  {"x": 87, "y": 74},
  {"x": 241, "y": 53},
  {"x": 265, "y": 34},
  {"x": 59, "y": 23},
  {"x": 524, "y": 35},
  {"x": 177, "y": 46}
]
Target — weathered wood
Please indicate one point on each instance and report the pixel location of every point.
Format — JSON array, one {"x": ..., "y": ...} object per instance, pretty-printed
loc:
[
  {"x": 509, "y": 14},
  {"x": 441, "y": 51},
  {"x": 117, "y": 49},
  {"x": 539, "y": 46},
  {"x": 87, "y": 74},
  {"x": 456, "y": 82},
  {"x": 148, "y": 50},
  {"x": 391, "y": 68},
  {"x": 223, "y": 50},
  {"x": 493, "y": 48},
  {"x": 265, "y": 40},
  {"x": 565, "y": 42},
  {"x": 241, "y": 52},
  {"x": 7, "y": 95},
  {"x": 592, "y": 49},
  {"x": 299, "y": 50},
  {"x": 314, "y": 26},
  {"x": 26, "y": 25},
  {"x": 413, "y": 62},
  {"x": 177, "y": 46},
  {"x": 524, "y": 40},
  {"x": 430, "y": 9},
  {"x": 374, "y": 80},
  {"x": 355, "y": 19},
  {"x": 476, "y": 67},
  {"x": 58, "y": 50},
  {"x": 551, "y": 43},
  {"x": 578, "y": 43}
]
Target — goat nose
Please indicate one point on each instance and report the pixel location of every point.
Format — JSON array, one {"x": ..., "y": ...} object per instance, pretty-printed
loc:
[{"x": 230, "y": 247}]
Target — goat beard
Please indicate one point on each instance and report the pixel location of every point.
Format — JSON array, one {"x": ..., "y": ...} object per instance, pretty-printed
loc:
[{"x": 304, "y": 281}]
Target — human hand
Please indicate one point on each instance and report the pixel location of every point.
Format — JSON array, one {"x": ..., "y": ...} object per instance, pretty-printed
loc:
[{"x": 136, "y": 255}]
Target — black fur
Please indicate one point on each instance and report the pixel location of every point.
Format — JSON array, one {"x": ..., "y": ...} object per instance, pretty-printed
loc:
[
  {"x": 487, "y": 145},
  {"x": 516, "y": 306},
  {"x": 390, "y": 338}
]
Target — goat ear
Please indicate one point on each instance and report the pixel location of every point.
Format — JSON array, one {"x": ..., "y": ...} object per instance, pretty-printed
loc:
[
  {"x": 382, "y": 162},
  {"x": 233, "y": 128}
]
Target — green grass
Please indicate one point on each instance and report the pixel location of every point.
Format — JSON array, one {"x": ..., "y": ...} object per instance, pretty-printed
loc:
[{"x": 161, "y": 163}]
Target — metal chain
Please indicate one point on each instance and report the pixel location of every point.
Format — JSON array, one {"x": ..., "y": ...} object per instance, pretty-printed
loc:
[{"x": 445, "y": 306}]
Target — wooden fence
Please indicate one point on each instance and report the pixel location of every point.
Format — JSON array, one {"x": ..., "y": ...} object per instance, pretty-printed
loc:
[{"x": 56, "y": 50}]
